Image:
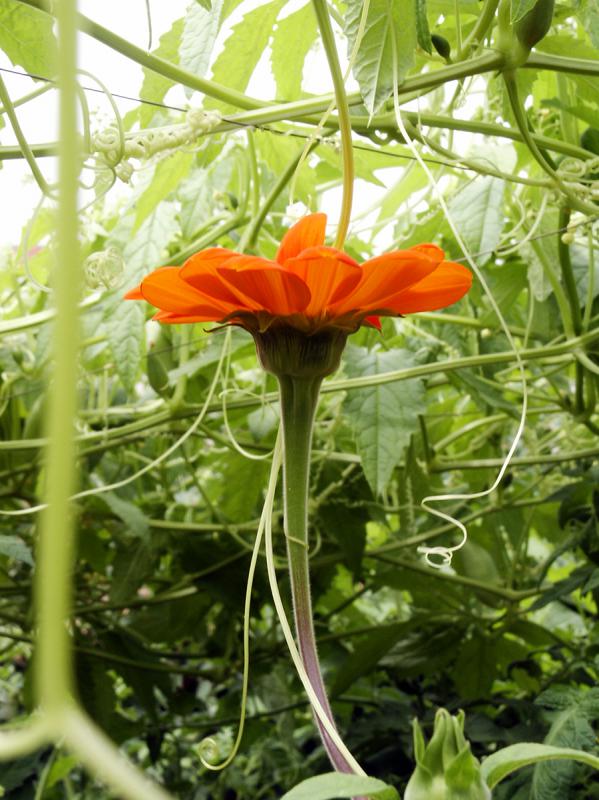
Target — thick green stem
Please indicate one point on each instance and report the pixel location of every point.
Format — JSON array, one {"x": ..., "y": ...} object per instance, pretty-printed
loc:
[
  {"x": 328, "y": 40},
  {"x": 54, "y": 672},
  {"x": 299, "y": 398},
  {"x": 478, "y": 33}
]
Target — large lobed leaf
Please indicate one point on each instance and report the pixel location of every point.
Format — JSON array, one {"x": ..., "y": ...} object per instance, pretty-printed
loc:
[
  {"x": 386, "y": 51},
  {"x": 383, "y": 417}
]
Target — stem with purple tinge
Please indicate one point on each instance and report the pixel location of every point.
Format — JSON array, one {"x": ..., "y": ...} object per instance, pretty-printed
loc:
[{"x": 299, "y": 398}]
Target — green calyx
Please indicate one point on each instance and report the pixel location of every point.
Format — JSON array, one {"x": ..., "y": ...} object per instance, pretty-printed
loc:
[
  {"x": 288, "y": 352},
  {"x": 445, "y": 767}
]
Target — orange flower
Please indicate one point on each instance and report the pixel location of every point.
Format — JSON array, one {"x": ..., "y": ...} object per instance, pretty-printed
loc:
[{"x": 309, "y": 288}]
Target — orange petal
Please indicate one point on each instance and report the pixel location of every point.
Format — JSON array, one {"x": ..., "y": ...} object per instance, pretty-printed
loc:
[
  {"x": 171, "y": 318},
  {"x": 387, "y": 275},
  {"x": 330, "y": 275},
  {"x": 445, "y": 286},
  {"x": 264, "y": 286},
  {"x": 200, "y": 271},
  {"x": 134, "y": 294},
  {"x": 164, "y": 289},
  {"x": 308, "y": 232}
]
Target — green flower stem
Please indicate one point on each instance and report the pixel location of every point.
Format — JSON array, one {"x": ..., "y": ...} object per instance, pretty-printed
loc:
[
  {"x": 299, "y": 398},
  {"x": 20, "y": 137},
  {"x": 478, "y": 33},
  {"x": 328, "y": 40}
]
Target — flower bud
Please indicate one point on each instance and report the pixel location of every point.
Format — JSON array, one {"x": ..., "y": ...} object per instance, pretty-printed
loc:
[{"x": 445, "y": 767}]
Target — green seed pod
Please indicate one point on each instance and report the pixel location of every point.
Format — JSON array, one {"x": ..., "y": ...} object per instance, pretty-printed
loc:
[
  {"x": 534, "y": 25},
  {"x": 441, "y": 45}
]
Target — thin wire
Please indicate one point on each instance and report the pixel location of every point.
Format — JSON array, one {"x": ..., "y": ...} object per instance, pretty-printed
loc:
[{"x": 244, "y": 125}]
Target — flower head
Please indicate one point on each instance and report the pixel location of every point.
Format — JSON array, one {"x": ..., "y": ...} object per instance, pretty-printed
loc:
[
  {"x": 308, "y": 286},
  {"x": 309, "y": 290}
]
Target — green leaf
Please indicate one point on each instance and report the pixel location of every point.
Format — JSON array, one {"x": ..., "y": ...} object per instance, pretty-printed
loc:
[
  {"x": 571, "y": 728},
  {"x": 520, "y": 8},
  {"x": 292, "y": 39},
  {"x": 126, "y": 337},
  {"x": 146, "y": 250},
  {"x": 200, "y": 30},
  {"x": 476, "y": 667},
  {"x": 155, "y": 86},
  {"x": 59, "y": 770},
  {"x": 168, "y": 174},
  {"x": 423, "y": 33},
  {"x": 195, "y": 195},
  {"x": 207, "y": 4},
  {"x": 14, "y": 547},
  {"x": 27, "y": 39},
  {"x": 133, "y": 517},
  {"x": 248, "y": 478},
  {"x": 477, "y": 210},
  {"x": 337, "y": 785},
  {"x": 368, "y": 654},
  {"x": 501, "y": 764},
  {"x": 389, "y": 38},
  {"x": 131, "y": 568},
  {"x": 589, "y": 14},
  {"x": 383, "y": 417},
  {"x": 243, "y": 49}
]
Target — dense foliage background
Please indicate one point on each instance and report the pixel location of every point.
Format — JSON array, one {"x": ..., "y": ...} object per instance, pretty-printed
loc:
[{"x": 509, "y": 633}]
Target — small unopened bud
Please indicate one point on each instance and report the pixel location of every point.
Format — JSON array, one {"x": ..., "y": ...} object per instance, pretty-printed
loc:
[{"x": 445, "y": 767}]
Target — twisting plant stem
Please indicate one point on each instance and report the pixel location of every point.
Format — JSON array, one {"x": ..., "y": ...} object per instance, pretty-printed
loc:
[{"x": 328, "y": 40}]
